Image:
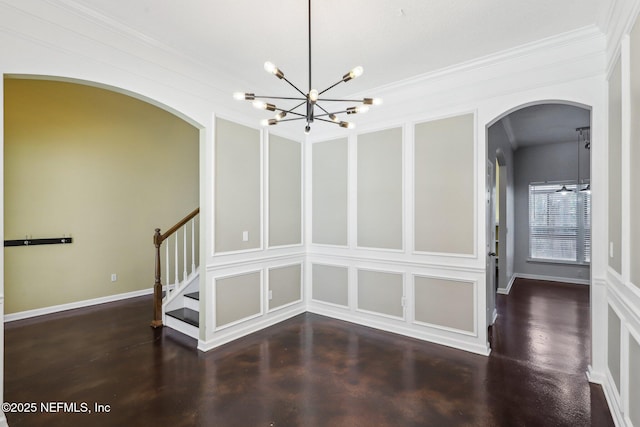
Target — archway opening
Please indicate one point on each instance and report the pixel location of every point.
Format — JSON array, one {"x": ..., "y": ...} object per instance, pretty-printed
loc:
[
  {"x": 541, "y": 234},
  {"x": 101, "y": 166}
]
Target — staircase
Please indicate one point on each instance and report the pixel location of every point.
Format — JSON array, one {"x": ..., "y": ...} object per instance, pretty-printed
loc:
[
  {"x": 177, "y": 303},
  {"x": 186, "y": 317}
]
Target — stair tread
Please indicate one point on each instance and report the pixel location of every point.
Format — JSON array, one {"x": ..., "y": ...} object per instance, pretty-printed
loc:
[
  {"x": 187, "y": 315},
  {"x": 193, "y": 295}
]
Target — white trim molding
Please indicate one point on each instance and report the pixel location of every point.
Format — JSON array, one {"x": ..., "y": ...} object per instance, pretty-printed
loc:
[
  {"x": 453, "y": 340},
  {"x": 474, "y": 341},
  {"x": 505, "y": 291},
  {"x": 550, "y": 279},
  {"x": 243, "y": 329},
  {"x": 622, "y": 299}
]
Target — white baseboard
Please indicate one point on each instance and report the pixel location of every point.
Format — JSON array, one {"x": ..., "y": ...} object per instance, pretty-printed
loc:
[
  {"x": 505, "y": 291},
  {"x": 608, "y": 387},
  {"x": 421, "y": 334},
  {"x": 227, "y": 335},
  {"x": 551, "y": 278},
  {"x": 594, "y": 376},
  {"x": 78, "y": 304}
]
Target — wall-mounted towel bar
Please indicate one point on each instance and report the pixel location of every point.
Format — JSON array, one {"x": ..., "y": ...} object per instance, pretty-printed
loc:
[{"x": 31, "y": 242}]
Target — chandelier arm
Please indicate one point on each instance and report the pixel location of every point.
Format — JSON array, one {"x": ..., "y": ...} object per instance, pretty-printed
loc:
[
  {"x": 291, "y": 112},
  {"x": 328, "y": 114},
  {"x": 280, "y": 97},
  {"x": 341, "y": 100},
  {"x": 320, "y": 107},
  {"x": 294, "y": 108},
  {"x": 325, "y": 120},
  {"x": 311, "y": 98},
  {"x": 295, "y": 87},
  {"x": 292, "y": 119},
  {"x": 331, "y": 87}
]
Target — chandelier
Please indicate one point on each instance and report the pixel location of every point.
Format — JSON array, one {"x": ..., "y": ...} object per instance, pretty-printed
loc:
[
  {"x": 308, "y": 104},
  {"x": 584, "y": 138}
]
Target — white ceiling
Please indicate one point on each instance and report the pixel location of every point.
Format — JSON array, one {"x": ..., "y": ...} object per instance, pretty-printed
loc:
[{"x": 393, "y": 40}]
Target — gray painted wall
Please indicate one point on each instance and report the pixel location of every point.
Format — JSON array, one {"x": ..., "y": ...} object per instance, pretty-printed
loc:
[
  {"x": 444, "y": 302},
  {"x": 544, "y": 163},
  {"x": 237, "y": 187},
  {"x": 380, "y": 292},
  {"x": 330, "y": 284},
  {"x": 285, "y": 285},
  {"x": 237, "y": 297},
  {"x": 634, "y": 381},
  {"x": 614, "y": 347},
  {"x": 330, "y": 192},
  {"x": 380, "y": 189},
  {"x": 285, "y": 191},
  {"x": 444, "y": 185}
]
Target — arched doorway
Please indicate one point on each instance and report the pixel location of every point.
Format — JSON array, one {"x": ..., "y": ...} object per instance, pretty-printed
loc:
[
  {"x": 534, "y": 148},
  {"x": 103, "y": 167}
]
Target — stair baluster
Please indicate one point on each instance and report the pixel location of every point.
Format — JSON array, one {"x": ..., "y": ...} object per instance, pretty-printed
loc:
[{"x": 158, "y": 239}]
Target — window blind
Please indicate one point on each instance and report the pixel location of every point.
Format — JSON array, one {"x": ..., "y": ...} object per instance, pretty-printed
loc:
[{"x": 559, "y": 224}]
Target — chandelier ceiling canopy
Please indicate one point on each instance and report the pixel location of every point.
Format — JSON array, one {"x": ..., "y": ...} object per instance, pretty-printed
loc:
[{"x": 308, "y": 106}]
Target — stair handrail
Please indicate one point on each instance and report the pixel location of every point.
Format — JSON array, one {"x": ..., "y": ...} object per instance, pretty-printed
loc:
[{"x": 158, "y": 238}]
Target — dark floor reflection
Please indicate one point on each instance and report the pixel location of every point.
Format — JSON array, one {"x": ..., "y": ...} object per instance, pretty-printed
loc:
[{"x": 310, "y": 371}]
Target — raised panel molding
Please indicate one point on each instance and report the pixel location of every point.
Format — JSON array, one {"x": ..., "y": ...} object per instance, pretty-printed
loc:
[
  {"x": 626, "y": 295},
  {"x": 247, "y": 288},
  {"x": 217, "y": 335},
  {"x": 291, "y": 288},
  {"x": 238, "y": 188},
  {"x": 284, "y": 215},
  {"x": 330, "y": 284},
  {"x": 474, "y": 340},
  {"x": 385, "y": 295},
  {"x": 434, "y": 313},
  {"x": 622, "y": 301},
  {"x": 329, "y": 214},
  {"x": 444, "y": 178},
  {"x": 380, "y": 190}
]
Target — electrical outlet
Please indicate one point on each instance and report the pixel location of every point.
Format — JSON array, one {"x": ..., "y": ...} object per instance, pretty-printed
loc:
[
  {"x": 270, "y": 294},
  {"x": 245, "y": 236},
  {"x": 114, "y": 277}
]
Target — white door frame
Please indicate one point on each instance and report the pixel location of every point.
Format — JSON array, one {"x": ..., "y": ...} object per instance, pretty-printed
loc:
[{"x": 490, "y": 248}]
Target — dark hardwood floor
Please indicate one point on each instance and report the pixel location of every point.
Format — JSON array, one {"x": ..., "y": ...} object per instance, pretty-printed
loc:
[{"x": 308, "y": 371}]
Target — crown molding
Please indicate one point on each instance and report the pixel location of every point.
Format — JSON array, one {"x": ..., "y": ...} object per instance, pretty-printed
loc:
[
  {"x": 206, "y": 75},
  {"x": 588, "y": 34},
  {"x": 113, "y": 25},
  {"x": 591, "y": 32}
]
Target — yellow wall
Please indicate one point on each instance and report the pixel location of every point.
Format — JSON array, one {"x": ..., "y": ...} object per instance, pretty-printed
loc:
[{"x": 100, "y": 166}]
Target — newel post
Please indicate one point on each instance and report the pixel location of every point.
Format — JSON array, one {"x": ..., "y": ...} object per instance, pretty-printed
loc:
[{"x": 157, "y": 286}]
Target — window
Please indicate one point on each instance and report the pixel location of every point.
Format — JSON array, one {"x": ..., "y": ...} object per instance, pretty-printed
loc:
[{"x": 559, "y": 224}]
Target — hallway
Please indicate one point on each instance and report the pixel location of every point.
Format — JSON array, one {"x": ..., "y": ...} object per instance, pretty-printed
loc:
[{"x": 308, "y": 371}]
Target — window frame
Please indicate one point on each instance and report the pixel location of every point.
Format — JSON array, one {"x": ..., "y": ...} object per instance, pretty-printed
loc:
[{"x": 582, "y": 225}]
